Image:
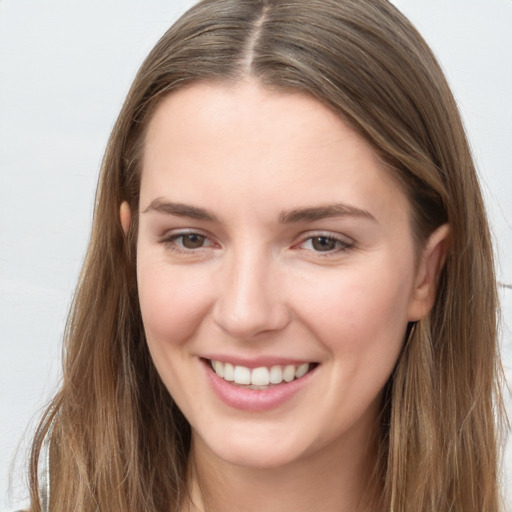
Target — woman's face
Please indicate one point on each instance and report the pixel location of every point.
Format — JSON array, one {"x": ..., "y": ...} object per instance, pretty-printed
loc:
[{"x": 274, "y": 245}]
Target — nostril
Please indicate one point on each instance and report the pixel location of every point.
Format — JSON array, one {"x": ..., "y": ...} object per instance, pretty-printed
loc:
[
  {"x": 248, "y": 321},
  {"x": 248, "y": 301}
]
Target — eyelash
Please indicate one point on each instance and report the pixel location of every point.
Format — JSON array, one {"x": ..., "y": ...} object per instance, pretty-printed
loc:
[
  {"x": 342, "y": 245},
  {"x": 171, "y": 242}
]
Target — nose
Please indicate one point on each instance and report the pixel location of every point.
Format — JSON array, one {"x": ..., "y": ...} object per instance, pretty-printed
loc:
[{"x": 250, "y": 298}]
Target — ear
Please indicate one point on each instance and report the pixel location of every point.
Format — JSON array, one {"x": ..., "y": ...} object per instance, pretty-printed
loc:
[
  {"x": 125, "y": 216},
  {"x": 432, "y": 259}
]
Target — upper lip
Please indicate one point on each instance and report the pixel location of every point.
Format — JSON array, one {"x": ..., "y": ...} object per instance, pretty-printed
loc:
[{"x": 256, "y": 362}]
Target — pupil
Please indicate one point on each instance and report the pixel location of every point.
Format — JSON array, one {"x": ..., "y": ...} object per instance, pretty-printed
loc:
[
  {"x": 323, "y": 243},
  {"x": 193, "y": 241}
]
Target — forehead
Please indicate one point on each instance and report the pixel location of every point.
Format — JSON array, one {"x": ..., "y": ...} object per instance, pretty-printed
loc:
[
  {"x": 210, "y": 138},
  {"x": 231, "y": 114}
]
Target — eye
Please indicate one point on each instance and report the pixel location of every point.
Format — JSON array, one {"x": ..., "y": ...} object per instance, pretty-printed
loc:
[
  {"x": 325, "y": 244},
  {"x": 191, "y": 240},
  {"x": 186, "y": 242}
]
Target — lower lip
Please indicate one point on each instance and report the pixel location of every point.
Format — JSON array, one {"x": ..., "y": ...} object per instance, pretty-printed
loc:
[{"x": 254, "y": 400}]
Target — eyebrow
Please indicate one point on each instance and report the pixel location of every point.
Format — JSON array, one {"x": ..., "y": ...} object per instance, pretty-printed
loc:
[
  {"x": 324, "y": 212},
  {"x": 309, "y": 214},
  {"x": 180, "y": 210}
]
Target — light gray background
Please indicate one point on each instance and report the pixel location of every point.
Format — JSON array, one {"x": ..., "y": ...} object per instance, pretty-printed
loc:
[{"x": 65, "y": 68}]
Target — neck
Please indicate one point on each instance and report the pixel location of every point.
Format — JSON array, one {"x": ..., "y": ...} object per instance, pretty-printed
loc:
[{"x": 330, "y": 480}]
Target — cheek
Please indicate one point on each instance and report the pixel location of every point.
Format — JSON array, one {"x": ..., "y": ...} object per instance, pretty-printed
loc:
[
  {"x": 172, "y": 301},
  {"x": 360, "y": 311},
  {"x": 360, "y": 319}
]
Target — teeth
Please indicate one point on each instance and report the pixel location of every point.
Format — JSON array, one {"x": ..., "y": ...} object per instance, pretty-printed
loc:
[
  {"x": 258, "y": 378},
  {"x": 300, "y": 371},
  {"x": 242, "y": 375},
  {"x": 289, "y": 373},
  {"x": 219, "y": 368},
  {"x": 276, "y": 375},
  {"x": 229, "y": 371}
]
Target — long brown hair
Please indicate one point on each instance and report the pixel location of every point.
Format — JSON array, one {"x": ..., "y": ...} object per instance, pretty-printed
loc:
[{"x": 117, "y": 440}]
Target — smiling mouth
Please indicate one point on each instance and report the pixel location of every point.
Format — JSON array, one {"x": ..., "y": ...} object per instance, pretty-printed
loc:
[{"x": 262, "y": 377}]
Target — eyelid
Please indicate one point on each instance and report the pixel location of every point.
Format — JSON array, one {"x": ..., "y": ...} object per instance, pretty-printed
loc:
[
  {"x": 345, "y": 242},
  {"x": 169, "y": 238}
]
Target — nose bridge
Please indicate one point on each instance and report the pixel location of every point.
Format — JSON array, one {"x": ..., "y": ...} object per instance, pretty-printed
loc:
[{"x": 247, "y": 302}]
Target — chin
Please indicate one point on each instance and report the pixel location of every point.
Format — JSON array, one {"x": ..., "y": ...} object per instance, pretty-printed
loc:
[{"x": 254, "y": 451}]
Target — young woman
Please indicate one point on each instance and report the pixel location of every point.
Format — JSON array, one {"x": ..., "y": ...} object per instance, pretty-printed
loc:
[{"x": 289, "y": 300}]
